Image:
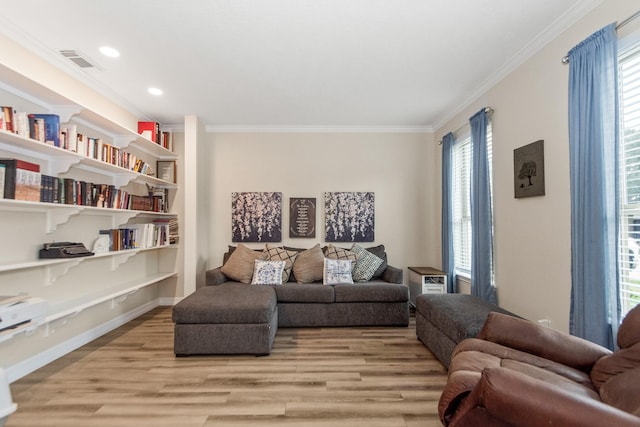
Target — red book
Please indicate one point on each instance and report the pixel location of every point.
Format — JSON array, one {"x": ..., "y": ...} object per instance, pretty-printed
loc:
[{"x": 150, "y": 130}]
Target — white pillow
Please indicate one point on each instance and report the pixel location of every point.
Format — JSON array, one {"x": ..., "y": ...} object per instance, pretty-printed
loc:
[
  {"x": 337, "y": 271},
  {"x": 267, "y": 272}
]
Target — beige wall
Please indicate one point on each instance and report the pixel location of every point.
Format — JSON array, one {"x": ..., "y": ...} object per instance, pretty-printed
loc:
[
  {"x": 532, "y": 236},
  {"x": 399, "y": 168}
]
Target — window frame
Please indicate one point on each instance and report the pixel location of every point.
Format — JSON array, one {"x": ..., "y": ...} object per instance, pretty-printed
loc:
[{"x": 629, "y": 166}]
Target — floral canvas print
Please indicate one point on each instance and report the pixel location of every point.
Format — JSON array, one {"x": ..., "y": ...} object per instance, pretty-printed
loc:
[
  {"x": 349, "y": 217},
  {"x": 256, "y": 217}
]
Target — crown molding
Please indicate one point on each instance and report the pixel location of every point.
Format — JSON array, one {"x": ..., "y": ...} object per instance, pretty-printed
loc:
[
  {"x": 316, "y": 129},
  {"x": 546, "y": 36}
]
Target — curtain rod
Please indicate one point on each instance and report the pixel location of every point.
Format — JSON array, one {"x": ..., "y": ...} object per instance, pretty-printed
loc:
[
  {"x": 565, "y": 59},
  {"x": 487, "y": 110}
]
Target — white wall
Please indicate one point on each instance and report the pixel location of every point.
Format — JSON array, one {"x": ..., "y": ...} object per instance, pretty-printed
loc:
[
  {"x": 399, "y": 168},
  {"x": 532, "y": 235}
]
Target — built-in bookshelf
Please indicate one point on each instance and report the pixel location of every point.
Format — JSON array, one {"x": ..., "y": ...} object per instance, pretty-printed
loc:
[{"x": 107, "y": 285}]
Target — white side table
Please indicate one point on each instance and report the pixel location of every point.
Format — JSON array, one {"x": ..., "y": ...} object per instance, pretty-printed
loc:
[{"x": 426, "y": 280}]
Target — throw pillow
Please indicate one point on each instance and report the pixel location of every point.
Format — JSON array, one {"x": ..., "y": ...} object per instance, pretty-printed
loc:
[
  {"x": 366, "y": 264},
  {"x": 380, "y": 252},
  {"x": 309, "y": 265},
  {"x": 280, "y": 254},
  {"x": 267, "y": 272},
  {"x": 239, "y": 266},
  {"x": 337, "y": 271},
  {"x": 335, "y": 252}
]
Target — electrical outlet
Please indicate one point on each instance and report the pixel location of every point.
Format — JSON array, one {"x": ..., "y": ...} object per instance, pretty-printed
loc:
[{"x": 545, "y": 322}]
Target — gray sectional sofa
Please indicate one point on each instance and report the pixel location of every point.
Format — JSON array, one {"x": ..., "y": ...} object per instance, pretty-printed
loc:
[{"x": 229, "y": 316}]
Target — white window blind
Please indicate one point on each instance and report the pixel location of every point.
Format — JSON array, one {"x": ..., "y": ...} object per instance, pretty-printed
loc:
[
  {"x": 462, "y": 152},
  {"x": 461, "y": 206},
  {"x": 629, "y": 255}
]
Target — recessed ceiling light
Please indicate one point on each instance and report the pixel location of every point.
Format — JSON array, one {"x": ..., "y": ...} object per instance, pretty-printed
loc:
[
  {"x": 155, "y": 91},
  {"x": 109, "y": 51}
]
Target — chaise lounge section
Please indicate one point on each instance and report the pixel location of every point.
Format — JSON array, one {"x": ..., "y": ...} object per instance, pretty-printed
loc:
[{"x": 229, "y": 316}]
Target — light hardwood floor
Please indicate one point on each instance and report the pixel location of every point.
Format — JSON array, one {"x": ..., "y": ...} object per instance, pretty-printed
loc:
[{"x": 313, "y": 377}]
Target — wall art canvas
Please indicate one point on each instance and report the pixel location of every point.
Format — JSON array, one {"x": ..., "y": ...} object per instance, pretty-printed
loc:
[
  {"x": 256, "y": 217},
  {"x": 528, "y": 170},
  {"x": 349, "y": 217},
  {"x": 302, "y": 217}
]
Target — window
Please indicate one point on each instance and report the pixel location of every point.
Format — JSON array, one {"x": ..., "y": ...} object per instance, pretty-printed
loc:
[
  {"x": 462, "y": 206},
  {"x": 462, "y": 152},
  {"x": 629, "y": 243}
]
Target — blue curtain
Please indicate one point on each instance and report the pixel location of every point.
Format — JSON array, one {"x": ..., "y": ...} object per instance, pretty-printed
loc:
[
  {"x": 448, "y": 257},
  {"x": 481, "y": 212},
  {"x": 593, "y": 146}
]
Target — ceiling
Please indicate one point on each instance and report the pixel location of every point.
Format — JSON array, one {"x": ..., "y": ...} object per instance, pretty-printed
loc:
[{"x": 259, "y": 64}]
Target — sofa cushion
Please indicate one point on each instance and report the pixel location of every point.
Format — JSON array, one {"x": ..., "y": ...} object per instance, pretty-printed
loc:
[
  {"x": 337, "y": 271},
  {"x": 240, "y": 264},
  {"x": 267, "y": 272},
  {"x": 309, "y": 265},
  {"x": 372, "y": 292},
  {"x": 227, "y": 303},
  {"x": 381, "y": 253},
  {"x": 622, "y": 391},
  {"x": 309, "y": 293},
  {"x": 281, "y": 254},
  {"x": 366, "y": 263},
  {"x": 458, "y": 316}
]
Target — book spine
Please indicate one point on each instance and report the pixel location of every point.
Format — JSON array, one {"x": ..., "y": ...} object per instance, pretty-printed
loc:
[
  {"x": 8, "y": 120},
  {"x": 3, "y": 169}
]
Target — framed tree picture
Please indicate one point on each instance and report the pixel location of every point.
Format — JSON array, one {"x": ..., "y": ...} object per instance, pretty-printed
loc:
[
  {"x": 528, "y": 170},
  {"x": 349, "y": 217},
  {"x": 256, "y": 217}
]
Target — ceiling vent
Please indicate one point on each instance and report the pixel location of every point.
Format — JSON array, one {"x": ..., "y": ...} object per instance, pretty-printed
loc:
[{"x": 78, "y": 58}]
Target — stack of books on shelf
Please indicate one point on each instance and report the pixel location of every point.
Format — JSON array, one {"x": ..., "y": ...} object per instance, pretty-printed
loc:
[
  {"x": 159, "y": 198},
  {"x": 75, "y": 192},
  {"x": 20, "y": 180},
  {"x": 151, "y": 131},
  {"x": 173, "y": 231},
  {"x": 47, "y": 129},
  {"x": 138, "y": 236}
]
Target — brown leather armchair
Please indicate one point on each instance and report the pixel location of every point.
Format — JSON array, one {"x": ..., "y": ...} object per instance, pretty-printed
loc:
[{"x": 518, "y": 373}]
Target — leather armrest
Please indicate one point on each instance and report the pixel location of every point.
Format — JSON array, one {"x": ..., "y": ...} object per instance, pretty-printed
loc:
[
  {"x": 530, "y": 337},
  {"x": 215, "y": 277},
  {"x": 393, "y": 275},
  {"x": 513, "y": 398}
]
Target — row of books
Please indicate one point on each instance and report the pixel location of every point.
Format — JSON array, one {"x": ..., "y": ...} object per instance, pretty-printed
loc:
[
  {"x": 138, "y": 236},
  {"x": 22, "y": 180},
  {"x": 173, "y": 231},
  {"x": 47, "y": 129},
  {"x": 97, "y": 149},
  {"x": 151, "y": 131}
]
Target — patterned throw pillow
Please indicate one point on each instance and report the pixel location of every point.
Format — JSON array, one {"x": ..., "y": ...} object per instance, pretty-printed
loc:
[
  {"x": 334, "y": 252},
  {"x": 280, "y": 254},
  {"x": 337, "y": 271},
  {"x": 239, "y": 266},
  {"x": 267, "y": 272},
  {"x": 366, "y": 264}
]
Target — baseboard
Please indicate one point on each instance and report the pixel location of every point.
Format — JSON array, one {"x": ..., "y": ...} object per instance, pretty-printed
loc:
[
  {"x": 33, "y": 363},
  {"x": 169, "y": 302}
]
